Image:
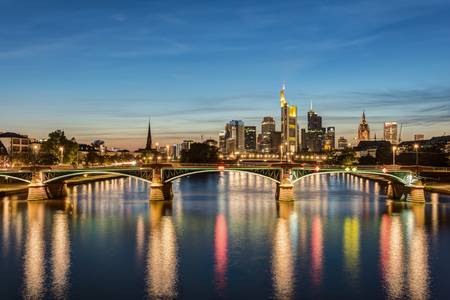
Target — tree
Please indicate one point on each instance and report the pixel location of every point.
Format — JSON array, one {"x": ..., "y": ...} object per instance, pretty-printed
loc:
[
  {"x": 200, "y": 153},
  {"x": 93, "y": 158},
  {"x": 347, "y": 157},
  {"x": 57, "y": 144}
]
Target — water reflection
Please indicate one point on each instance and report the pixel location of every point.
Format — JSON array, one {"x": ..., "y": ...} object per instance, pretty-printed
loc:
[
  {"x": 60, "y": 255},
  {"x": 34, "y": 264},
  {"x": 283, "y": 258},
  {"x": 316, "y": 250},
  {"x": 351, "y": 248},
  {"x": 162, "y": 252},
  {"x": 230, "y": 230},
  {"x": 404, "y": 252},
  {"x": 221, "y": 251}
]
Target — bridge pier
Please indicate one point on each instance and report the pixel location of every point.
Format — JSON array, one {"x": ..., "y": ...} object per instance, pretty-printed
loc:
[
  {"x": 57, "y": 190},
  {"x": 416, "y": 192},
  {"x": 285, "y": 190},
  {"x": 36, "y": 189},
  {"x": 160, "y": 191},
  {"x": 395, "y": 191}
]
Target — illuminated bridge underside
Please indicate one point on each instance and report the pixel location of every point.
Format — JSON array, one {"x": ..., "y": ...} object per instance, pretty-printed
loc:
[
  {"x": 20, "y": 176},
  {"x": 169, "y": 174},
  {"x": 141, "y": 174},
  {"x": 405, "y": 178},
  {"x": 52, "y": 182}
]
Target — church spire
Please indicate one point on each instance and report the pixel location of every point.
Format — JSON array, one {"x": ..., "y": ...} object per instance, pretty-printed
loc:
[{"x": 149, "y": 144}]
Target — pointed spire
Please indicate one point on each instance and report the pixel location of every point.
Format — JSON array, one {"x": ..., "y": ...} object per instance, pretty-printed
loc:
[
  {"x": 310, "y": 105},
  {"x": 282, "y": 95},
  {"x": 149, "y": 144},
  {"x": 364, "y": 116}
]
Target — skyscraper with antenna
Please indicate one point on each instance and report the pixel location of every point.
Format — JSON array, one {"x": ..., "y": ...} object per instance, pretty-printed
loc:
[{"x": 289, "y": 127}]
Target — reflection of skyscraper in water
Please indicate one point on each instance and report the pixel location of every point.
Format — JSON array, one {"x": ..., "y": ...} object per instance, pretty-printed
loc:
[
  {"x": 60, "y": 255},
  {"x": 404, "y": 261},
  {"x": 351, "y": 248},
  {"x": 220, "y": 251},
  {"x": 283, "y": 258},
  {"x": 162, "y": 253},
  {"x": 316, "y": 250}
]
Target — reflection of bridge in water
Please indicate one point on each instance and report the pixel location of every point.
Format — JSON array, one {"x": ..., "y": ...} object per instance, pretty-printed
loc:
[{"x": 48, "y": 184}]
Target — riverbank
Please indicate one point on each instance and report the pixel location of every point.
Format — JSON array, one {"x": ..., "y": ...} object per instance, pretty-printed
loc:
[{"x": 22, "y": 188}]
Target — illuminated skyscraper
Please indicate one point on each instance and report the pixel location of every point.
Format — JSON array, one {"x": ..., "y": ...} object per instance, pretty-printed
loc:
[
  {"x": 289, "y": 127},
  {"x": 390, "y": 132},
  {"x": 363, "y": 129},
  {"x": 250, "y": 138},
  {"x": 267, "y": 130},
  {"x": 234, "y": 136}
]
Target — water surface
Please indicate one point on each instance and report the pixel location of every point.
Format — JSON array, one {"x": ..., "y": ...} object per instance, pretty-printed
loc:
[{"x": 224, "y": 236}]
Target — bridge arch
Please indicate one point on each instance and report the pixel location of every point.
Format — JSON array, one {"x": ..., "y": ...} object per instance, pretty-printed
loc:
[
  {"x": 14, "y": 177},
  {"x": 219, "y": 171},
  {"x": 386, "y": 175},
  {"x": 58, "y": 178}
]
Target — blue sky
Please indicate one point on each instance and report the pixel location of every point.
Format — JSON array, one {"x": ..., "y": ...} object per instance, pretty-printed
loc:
[{"x": 99, "y": 69}]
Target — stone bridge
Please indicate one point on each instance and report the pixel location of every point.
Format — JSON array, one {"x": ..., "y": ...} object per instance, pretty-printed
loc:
[{"x": 47, "y": 184}]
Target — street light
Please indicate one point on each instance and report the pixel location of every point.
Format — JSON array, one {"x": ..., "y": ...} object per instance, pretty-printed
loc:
[
  {"x": 61, "y": 149},
  {"x": 416, "y": 147},
  {"x": 394, "y": 149},
  {"x": 281, "y": 153}
]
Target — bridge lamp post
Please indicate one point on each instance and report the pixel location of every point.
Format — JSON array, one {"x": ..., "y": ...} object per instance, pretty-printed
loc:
[
  {"x": 61, "y": 150},
  {"x": 416, "y": 148},
  {"x": 281, "y": 153},
  {"x": 394, "y": 149}
]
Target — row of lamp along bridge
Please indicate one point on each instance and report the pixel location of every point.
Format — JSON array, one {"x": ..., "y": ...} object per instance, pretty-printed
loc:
[{"x": 161, "y": 186}]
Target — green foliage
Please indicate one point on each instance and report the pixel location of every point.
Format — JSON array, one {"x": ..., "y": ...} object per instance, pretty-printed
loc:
[
  {"x": 94, "y": 158},
  {"x": 200, "y": 153},
  {"x": 346, "y": 158},
  {"x": 50, "y": 149}
]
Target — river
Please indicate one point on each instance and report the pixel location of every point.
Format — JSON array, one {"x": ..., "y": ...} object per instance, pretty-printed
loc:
[{"x": 224, "y": 236}]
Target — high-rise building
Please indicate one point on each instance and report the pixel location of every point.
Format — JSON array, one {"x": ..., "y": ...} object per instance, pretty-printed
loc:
[
  {"x": 390, "y": 132},
  {"x": 186, "y": 144},
  {"x": 314, "y": 120},
  {"x": 149, "y": 145},
  {"x": 267, "y": 128},
  {"x": 419, "y": 137},
  {"x": 275, "y": 141},
  {"x": 250, "y": 138},
  {"x": 222, "y": 141},
  {"x": 313, "y": 141},
  {"x": 234, "y": 136},
  {"x": 317, "y": 138},
  {"x": 289, "y": 126},
  {"x": 267, "y": 125},
  {"x": 329, "y": 139},
  {"x": 342, "y": 143},
  {"x": 363, "y": 129}
]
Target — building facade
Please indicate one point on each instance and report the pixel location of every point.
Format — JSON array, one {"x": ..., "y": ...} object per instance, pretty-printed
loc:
[
  {"x": 289, "y": 125},
  {"x": 363, "y": 129},
  {"x": 342, "y": 143},
  {"x": 250, "y": 138},
  {"x": 390, "y": 132},
  {"x": 15, "y": 143},
  {"x": 234, "y": 137}
]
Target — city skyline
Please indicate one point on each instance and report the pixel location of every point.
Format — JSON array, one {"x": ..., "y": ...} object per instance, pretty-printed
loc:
[{"x": 202, "y": 65}]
